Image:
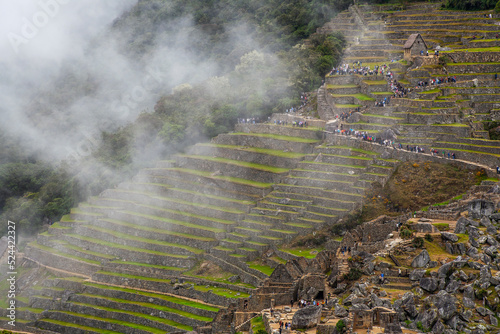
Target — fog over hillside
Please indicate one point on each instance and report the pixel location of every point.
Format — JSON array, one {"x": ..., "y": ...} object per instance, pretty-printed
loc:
[{"x": 65, "y": 78}]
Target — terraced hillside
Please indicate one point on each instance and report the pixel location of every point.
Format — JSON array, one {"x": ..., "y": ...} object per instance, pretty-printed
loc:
[
  {"x": 446, "y": 115},
  {"x": 128, "y": 260},
  {"x": 225, "y": 202}
]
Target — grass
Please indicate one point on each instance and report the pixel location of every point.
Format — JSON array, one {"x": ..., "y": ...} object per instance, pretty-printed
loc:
[
  {"x": 150, "y": 305},
  {"x": 232, "y": 179},
  {"x": 330, "y": 86},
  {"x": 81, "y": 327},
  {"x": 361, "y": 97},
  {"x": 171, "y": 299},
  {"x": 277, "y": 153},
  {"x": 346, "y": 106},
  {"x": 128, "y": 324},
  {"x": 442, "y": 226},
  {"x": 278, "y": 137},
  {"x": 253, "y": 165},
  {"x": 149, "y": 265},
  {"x": 307, "y": 253},
  {"x": 159, "y": 231},
  {"x": 257, "y": 324},
  {"x": 218, "y": 291},
  {"x": 124, "y": 236},
  {"x": 375, "y": 82},
  {"x": 260, "y": 267},
  {"x": 56, "y": 252},
  {"x": 432, "y": 91}
]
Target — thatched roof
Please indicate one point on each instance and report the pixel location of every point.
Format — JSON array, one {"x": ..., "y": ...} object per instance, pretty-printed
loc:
[{"x": 411, "y": 40}]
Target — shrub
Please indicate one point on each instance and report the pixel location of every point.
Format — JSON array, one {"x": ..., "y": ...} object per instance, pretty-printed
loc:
[
  {"x": 405, "y": 233},
  {"x": 497, "y": 7},
  {"x": 429, "y": 237},
  {"x": 353, "y": 274},
  {"x": 340, "y": 326},
  {"x": 418, "y": 242}
]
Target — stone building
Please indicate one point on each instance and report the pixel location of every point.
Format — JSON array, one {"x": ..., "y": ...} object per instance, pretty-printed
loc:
[
  {"x": 413, "y": 46},
  {"x": 378, "y": 316}
]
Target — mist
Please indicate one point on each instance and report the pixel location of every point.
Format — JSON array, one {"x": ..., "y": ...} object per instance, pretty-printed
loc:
[{"x": 66, "y": 78}]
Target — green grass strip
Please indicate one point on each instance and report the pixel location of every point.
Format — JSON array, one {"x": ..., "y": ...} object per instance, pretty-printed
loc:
[
  {"x": 125, "y": 236},
  {"x": 156, "y": 230},
  {"x": 178, "y": 222},
  {"x": 121, "y": 322},
  {"x": 168, "y": 298},
  {"x": 263, "y": 269},
  {"x": 232, "y": 179},
  {"x": 56, "y": 252},
  {"x": 124, "y": 247},
  {"x": 81, "y": 327},
  {"x": 79, "y": 249},
  {"x": 246, "y": 164},
  {"x": 277, "y": 153},
  {"x": 219, "y": 291},
  {"x": 278, "y": 137},
  {"x": 146, "y": 265},
  {"x": 359, "y": 96},
  {"x": 153, "y": 306}
]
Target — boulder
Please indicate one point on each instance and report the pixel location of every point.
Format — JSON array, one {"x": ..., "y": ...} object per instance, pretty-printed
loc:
[
  {"x": 485, "y": 221},
  {"x": 445, "y": 269},
  {"x": 445, "y": 304},
  {"x": 452, "y": 287},
  {"x": 462, "y": 223},
  {"x": 438, "y": 328},
  {"x": 469, "y": 292},
  {"x": 473, "y": 231},
  {"x": 468, "y": 303},
  {"x": 421, "y": 260},
  {"x": 408, "y": 305},
  {"x": 473, "y": 242},
  {"x": 493, "y": 320},
  {"x": 429, "y": 284},
  {"x": 425, "y": 228},
  {"x": 480, "y": 207},
  {"x": 449, "y": 236},
  {"x": 416, "y": 274},
  {"x": 491, "y": 241},
  {"x": 306, "y": 317},
  {"x": 340, "y": 311},
  {"x": 427, "y": 318}
]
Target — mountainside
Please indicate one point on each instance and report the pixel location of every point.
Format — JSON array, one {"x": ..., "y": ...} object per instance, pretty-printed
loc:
[{"x": 201, "y": 241}]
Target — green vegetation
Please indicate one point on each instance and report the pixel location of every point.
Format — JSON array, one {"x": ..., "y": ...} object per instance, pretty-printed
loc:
[
  {"x": 470, "y": 4},
  {"x": 258, "y": 325}
]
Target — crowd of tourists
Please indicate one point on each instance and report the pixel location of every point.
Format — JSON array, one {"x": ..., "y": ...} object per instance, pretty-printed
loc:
[
  {"x": 358, "y": 68},
  {"x": 365, "y": 136}
]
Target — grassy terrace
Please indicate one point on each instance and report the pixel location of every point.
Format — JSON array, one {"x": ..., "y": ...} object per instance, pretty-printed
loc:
[
  {"x": 218, "y": 291},
  {"x": 227, "y": 199},
  {"x": 471, "y": 145},
  {"x": 280, "y": 137},
  {"x": 342, "y": 156},
  {"x": 56, "y": 252},
  {"x": 79, "y": 249},
  {"x": 128, "y": 324},
  {"x": 334, "y": 165},
  {"x": 375, "y": 82},
  {"x": 180, "y": 223},
  {"x": 167, "y": 298},
  {"x": 125, "y": 247},
  {"x": 156, "y": 230},
  {"x": 149, "y": 305},
  {"x": 468, "y": 151},
  {"x": 359, "y": 96},
  {"x": 145, "y": 265},
  {"x": 277, "y": 153},
  {"x": 345, "y": 106},
  {"x": 125, "y": 236},
  {"x": 330, "y": 86},
  {"x": 358, "y": 150},
  {"x": 78, "y": 327},
  {"x": 260, "y": 267},
  {"x": 307, "y": 253},
  {"x": 382, "y": 116},
  {"x": 235, "y": 180},
  {"x": 180, "y": 201}
]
